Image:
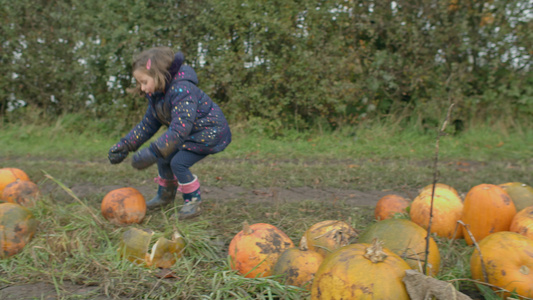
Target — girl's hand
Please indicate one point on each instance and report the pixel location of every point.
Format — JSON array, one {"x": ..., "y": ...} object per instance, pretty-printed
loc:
[
  {"x": 117, "y": 153},
  {"x": 143, "y": 159}
]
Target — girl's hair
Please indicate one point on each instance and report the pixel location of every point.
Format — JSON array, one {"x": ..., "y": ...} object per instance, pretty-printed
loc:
[{"x": 155, "y": 62}]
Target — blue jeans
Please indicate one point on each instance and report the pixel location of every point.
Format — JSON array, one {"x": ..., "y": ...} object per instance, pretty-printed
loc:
[{"x": 178, "y": 164}]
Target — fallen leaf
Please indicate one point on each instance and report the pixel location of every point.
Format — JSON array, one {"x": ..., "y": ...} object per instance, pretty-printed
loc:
[{"x": 421, "y": 287}]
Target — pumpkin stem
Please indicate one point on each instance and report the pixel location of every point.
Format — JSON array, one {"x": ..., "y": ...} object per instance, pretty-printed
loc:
[
  {"x": 303, "y": 244},
  {"x": 246, "y": 228},
  {"x": 375, "y": 252}
]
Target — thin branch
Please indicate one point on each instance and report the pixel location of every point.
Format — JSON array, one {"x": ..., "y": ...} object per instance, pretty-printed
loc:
[
  {"x": 483, "y": 268},
  {"x": 435, "y": 179}
]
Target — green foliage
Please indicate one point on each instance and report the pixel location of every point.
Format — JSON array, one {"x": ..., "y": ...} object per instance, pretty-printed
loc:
[{"x": 294, "y": 64}]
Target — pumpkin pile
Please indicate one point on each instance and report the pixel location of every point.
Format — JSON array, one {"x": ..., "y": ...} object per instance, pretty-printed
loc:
[
  {"x": 497, "y": 218},
  {"x": 17, "y": 223}
]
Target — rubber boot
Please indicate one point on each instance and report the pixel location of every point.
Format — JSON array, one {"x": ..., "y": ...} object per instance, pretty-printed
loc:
[
  {"x": 165, "y": 193},
  {"x": 192, "y": 199}
]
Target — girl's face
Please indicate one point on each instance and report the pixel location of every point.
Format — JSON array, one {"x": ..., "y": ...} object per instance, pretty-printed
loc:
[{"x": 146, "y": 81}]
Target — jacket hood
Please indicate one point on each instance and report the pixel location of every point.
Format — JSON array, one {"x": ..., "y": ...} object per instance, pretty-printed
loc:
[{"x": 180, "y": 72}]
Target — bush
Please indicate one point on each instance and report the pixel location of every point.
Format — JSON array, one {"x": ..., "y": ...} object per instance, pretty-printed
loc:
[{"x": 295, "y": 64}]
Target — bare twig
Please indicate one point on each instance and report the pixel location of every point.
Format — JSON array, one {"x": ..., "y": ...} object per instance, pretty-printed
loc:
[
  {"x": 483, "y": 268},
  {"x": 435, "y": 179}
]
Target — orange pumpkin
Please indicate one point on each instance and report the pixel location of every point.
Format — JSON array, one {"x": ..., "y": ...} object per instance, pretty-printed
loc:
[
  {"x": 523, "y": 222},
  {"x": 438, "y": 187},
  {"x": 124, "y": 206},
  {"x": 9, "y": 175},
  {"x": 326, "y": 236},
  {"x": 520, "y": 193},
  {"x": 389, "y": 205},
  {"x": 256, "y": 248},
  {"x": 487, "y": 209},
  {"x": 17, "y": 227},
  {"x": 361, "y": 271},
  {"x": 508, "y": 261},
  {"x": 23, "y": 192},
  {"x": 447, "y": 210},
  {"x": 298, "y": 265},
  {"x": 406, "y": 239}
]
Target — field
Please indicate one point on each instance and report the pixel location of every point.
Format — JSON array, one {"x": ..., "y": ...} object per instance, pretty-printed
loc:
[{"x": 291, "y": 182}]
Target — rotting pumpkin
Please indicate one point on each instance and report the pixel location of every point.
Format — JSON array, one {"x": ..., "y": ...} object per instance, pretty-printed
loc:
[
  {"x": 390, "y": 205},
  {"x": 297, "y": 265},
  {"x": 135, "y": 243},
  {"x": 255, "y": 249},
  {"x": 17, "y": 228},
  {"x": 23, "y": 192},
  {"x": 9, "y": 175},
  {"x": 407, "y": 240},
  {"x": 124, "y": 206},
  {"x": 361, "y": 271},
  {"x": 506, "y": 258},
  {"x": 520, "y": 193},
  {"x": 326, "y": 236},
  {"x": 523, "y": 223}
]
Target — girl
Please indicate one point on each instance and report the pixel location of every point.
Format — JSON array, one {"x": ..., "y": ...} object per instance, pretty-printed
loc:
[{"x": 196, "y": 127}]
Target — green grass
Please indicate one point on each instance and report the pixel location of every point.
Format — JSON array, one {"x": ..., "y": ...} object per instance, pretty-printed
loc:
[{"x": 75, "y": 244}]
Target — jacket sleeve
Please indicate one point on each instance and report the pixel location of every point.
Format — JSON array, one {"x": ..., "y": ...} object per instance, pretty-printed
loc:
[
  {"x": 141, "y": 133},
  {"x": 183, "y": 113}
]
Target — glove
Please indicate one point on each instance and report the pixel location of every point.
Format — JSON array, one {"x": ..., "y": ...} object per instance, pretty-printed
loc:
[
  {"x": 143, "y": 159},
  {"x": 118, "y": 153}
]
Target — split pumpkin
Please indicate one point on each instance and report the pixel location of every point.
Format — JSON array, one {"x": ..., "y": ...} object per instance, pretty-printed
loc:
[
  {"x": 256, "y": 248},
  {"x": 17, "y": 227},
  {"x": 326, "y": 236},
  {"x": 166, "y": 252},
  {"x": 361, "y": 271},
  {"x": 124, "y": 206},
  {"x": 507, "y": 261},
  {"x": 135, "y": 243},
  {"x": 487, "y": 209}
]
